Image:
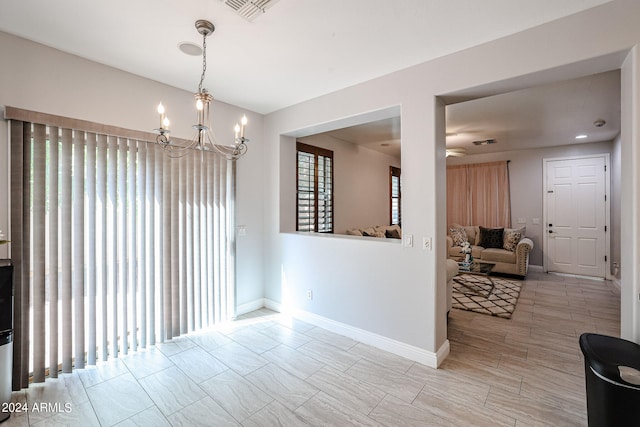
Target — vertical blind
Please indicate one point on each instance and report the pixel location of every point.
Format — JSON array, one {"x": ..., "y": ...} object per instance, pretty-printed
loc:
[{"x": 115, "y": 246}]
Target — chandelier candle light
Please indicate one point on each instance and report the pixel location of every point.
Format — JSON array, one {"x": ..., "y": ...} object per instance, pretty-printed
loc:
[{"x": 204, "y": 139}]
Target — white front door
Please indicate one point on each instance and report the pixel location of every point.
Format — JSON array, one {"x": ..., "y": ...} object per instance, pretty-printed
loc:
[{"x": 576, "y": 215}]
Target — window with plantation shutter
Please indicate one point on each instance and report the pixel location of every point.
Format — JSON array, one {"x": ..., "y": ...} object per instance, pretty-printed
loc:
[
  {"x": 395, "y": 187},
  {"x": 314, "y": 197}
]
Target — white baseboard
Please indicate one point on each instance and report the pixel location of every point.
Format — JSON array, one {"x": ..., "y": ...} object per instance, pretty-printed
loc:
[
  {"x": 272, "y": 305},
  {"x": 616, "y": 283},
  {"x": 540, "y": 269},
  {"x": 416, "y": 354},
  {"x": 250, "y": 306},
  {"x": 577, "y": 276}
]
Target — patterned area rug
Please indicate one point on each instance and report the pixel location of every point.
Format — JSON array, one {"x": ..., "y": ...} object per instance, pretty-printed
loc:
[{"x": 476, "y": 294}]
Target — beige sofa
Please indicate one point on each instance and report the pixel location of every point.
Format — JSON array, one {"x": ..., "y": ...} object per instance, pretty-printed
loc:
[
  {"x": 382, "y": 231},
  {"x": 514, "y": 262},
  {"x": 452, "y": 271}
]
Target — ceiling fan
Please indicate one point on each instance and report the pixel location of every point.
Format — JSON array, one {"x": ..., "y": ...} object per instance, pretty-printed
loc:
[{"x": 456, "y": 152}]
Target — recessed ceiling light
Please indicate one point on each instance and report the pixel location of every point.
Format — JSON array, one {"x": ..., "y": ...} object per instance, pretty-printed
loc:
[
  {"x": 190, "y": 48},
  {"x": 581, "y": 136}
]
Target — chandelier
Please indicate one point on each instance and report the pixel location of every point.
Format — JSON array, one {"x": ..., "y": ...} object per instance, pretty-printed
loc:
[{"x": 203, "y": 139}]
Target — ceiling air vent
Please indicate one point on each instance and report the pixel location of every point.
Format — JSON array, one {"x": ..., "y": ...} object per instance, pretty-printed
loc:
[{"x": 250, "y": 9}]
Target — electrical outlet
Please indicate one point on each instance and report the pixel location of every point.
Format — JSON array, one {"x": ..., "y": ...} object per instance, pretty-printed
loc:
[
  {"x": 426, "y": 243},
  {"x": 309, "y": 294}
]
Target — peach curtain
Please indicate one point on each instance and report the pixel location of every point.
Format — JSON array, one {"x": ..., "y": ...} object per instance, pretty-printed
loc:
[
  {"x": 458, "y": 201},
  {"x": 478, "y": 194}
]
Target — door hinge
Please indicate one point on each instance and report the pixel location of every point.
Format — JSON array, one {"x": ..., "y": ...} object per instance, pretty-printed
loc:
[
  {"x": 605, "y": 197},
  {"x": 605, "y": 228},
  {"x": 605, "y": 258},
  {"x": 605, "y": 168}
]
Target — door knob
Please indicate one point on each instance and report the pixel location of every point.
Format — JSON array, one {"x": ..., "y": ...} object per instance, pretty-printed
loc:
[{"x": 550, "y": 231}]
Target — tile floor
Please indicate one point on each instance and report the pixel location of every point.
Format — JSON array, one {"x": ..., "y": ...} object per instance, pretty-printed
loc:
[{"x": 263, "y": 370}]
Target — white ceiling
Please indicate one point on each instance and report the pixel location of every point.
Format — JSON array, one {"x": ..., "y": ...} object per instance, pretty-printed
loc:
[
  {"x": 297, "y": 50},
  {"x": 537, "y": 117},
  {"x": 380, "y": 135}
]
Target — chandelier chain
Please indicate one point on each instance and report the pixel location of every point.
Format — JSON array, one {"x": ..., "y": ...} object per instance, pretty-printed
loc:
[
  {"x": 204, "y": 61},
  {"x": 203, "y": 140}
]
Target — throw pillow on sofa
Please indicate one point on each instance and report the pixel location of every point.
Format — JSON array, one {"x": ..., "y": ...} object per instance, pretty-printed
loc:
[
  {"x": 491, "y": 237},
  {"x": 522, "y": 230},
  {"x": 373, "y": 233},
  {"x": 511, "y": 239},
  {"x": 458, "y": 235},
  {"x": 392, "y": 234}
]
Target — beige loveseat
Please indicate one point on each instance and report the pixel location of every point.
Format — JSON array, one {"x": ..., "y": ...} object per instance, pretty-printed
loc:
[
  {"x": 452, "y": 271},
  {"x": 506, "y": 261},
  {"x": 383, "y": 231}
]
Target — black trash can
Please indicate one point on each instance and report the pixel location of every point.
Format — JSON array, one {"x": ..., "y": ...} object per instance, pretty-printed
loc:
[
  {"x": 612, "y": 376},
  {"x": 6, "y": 335}
]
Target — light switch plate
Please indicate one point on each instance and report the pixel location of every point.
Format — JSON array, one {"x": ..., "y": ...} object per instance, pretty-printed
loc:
[{"x": 408, "y": 240}]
